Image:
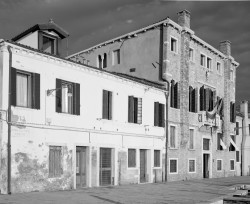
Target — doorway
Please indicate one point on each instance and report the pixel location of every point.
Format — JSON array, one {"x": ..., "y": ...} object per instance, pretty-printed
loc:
[
  {"x": 105, "y": 166},
  {"x": 143, "y": 165},
  {"x": 81, "y": 163},
  {"x": 205, "y": 165}
]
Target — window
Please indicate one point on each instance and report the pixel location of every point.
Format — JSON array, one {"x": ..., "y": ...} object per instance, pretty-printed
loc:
[
  {"x": 173, "y": 45},
  {"x": 55, "y": 157},
  {"x": 237, "y": 156},
  {"x": 191, "y": 54},
  {"x": 231, "y": 75},
  {"x": 67, "y": 97},
  {"x": 232, "y": 112},
  {"x": 104, "y": 60},
  {"x": 157, "y": 158},
  {"x": 209, "y": 63},
  {"x": 219, "y": 141},
  {"x": 205, "y": 144},
  {"x": 131, "y": 158},
  {"x": 134, "y": 110},
  {"x": 218, "y": 68},
  {"x": 191, "y": 165},
  {"x": 231, "y": 147},
  {"x": 191, "y": 138},
  {"x": 192, "y": 99},
  {"x": 173, "y": 166},
  {"x": 207, "y": 99},
  {"x": 107, "y": 105},
  {"x": 232, "y": 165},
  {"x": 174, "y": 96},
  {"x": 203, "y": 60},
  {"x": 47, "y": 43},
  {"x": 237, "y": 128},
  {"x": 25, "y": 89},
  {"x": 173, "y": 137},
  {"x": 159, "y": 114},
  {"x": 219, "y": 165},
  {"x": 116, "y": 57},
  {"x": 99, "y": 61}
]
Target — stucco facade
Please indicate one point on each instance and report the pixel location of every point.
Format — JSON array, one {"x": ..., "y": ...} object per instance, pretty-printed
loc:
[
  {"x": 34, "y": 131},
  {"x": 161, "y": 52}
]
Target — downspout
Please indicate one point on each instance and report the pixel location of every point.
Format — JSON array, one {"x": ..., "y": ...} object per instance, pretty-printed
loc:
[
  {"x": 9, "y": 124},
  {"x": 242, "y": 156}
]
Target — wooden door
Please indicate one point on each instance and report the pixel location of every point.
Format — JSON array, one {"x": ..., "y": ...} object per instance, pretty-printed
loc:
[
  {"x": 143, "y": 164},
  {"x": 205, "y": 166},
  {"x": 105, "y": 166},
  {"x": 81, "y": 164}
]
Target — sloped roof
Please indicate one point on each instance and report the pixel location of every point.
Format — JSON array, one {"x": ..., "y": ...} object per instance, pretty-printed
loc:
[{"x": 50, "y": 26}]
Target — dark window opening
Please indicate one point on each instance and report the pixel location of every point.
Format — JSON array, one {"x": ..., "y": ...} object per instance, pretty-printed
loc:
[
  {"x": 157, "y": 158},
  {"x": 173, "y": 166},
  {"x": 159, "y": 114},
  {"x": 174, "y": 95},
  {"x": 107, "y": 105},
  {"x": 219, "y": 140},
  {"x": 207, "y": 99},
  {"x": 134, "y": 110},
  {"x": 55, "y": 157},
  {"x": 206, "y": 144},
  {"x": 131, "y": 158}
]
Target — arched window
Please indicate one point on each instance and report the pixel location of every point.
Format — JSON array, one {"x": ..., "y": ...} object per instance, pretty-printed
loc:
[
  {"x": 99, "y": 61},
  {"x": 105, "y": 60}
]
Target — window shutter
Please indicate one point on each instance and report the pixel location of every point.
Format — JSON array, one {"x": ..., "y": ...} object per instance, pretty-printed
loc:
[
  {"x": 156, "y": 114},
  {"x": 214, "y": 98},
  {"x": 40, "y": 40},
  {"x": 51, "y": 162},
  {"x": 195, "y": 100},
  {"x": 13, "y": 86},
  {"x": 58, "y": 95},
  {"x": 135, "y": 110},
  {"x": 237, "y": 128},
  {"x": 231, "y": 112},
  {"x": 202, "y": 98},
  {"x": 234, "y": 113},
  {"x": 36, "y": 91},
  {"x": 162, "y": 115},
  {"x": 172, "y": 94},
  {"x": 176, "y": 95},
  {"x": 207, "y": 94},
  {"x": 110, "y": 105},
  {"x": 130, "y": 109},
  {"x": 105, "y": 104},
  {"x": 76, "y": 99},
  {"x": 190, "y": 98}
]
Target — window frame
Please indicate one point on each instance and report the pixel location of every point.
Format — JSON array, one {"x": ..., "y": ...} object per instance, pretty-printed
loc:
[
  {"x": 233, "y": 165},
  {"x": 221, "y": 165},
  {"x": 209, "y": 145},
  {"x": 132, "y": 167},
  {"x": 160, "y": 120},
  {"x": 191, "y": 59},
  {"x": 194, "y": 133},
  {"x": 192, "y": 159},
  {"x": 237, "y": 158},
  {"x": 47, "y": 35},
  {"x": 134, "y": 114},
  {"x": 176, "y": 133},
  {"x": 118, "y": 60},
  {"x": 219, "y": 147},
  {"x": 175, "y": 48},
  {"x": 220, "y": 67},
  {"x": 175, "y": 159},
  {"x": 209, "y": 63},
  {"x": 205, "y": 60}
]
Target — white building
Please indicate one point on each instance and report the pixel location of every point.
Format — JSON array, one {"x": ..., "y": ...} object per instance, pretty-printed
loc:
[{"x": 71, "y": 125}]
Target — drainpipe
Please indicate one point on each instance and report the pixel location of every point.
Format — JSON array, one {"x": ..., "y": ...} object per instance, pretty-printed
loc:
[
  {"x": 166, "y": 131},
  {"x": 9, "y": 124},
  {"x": 242, "y": 156}
]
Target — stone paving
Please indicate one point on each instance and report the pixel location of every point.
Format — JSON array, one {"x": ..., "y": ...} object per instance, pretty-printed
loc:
[{"x": 191, "y": 191}]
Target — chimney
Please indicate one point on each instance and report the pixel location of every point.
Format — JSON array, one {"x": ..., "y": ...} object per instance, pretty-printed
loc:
[
  {"x": 184, "y": 18},
  {"x": 225, "y": 47}
]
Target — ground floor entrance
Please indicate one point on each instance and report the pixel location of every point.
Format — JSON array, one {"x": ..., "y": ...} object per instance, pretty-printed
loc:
[
  {"x": 143, "y": 165},
  {"x": 105, "y": 173},
  {"x": 81, "y": 164},
  {"x": 205, "y": 165}
]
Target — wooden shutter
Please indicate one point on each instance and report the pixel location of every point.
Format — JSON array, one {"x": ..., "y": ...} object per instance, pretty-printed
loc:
[
  {"x": 214, "y": 98},
  {"x": 234, "y": 113},
  {"x": 196, "y": 100},
  {"x": 231, "y": 112},
  {"x": 13, "y": 86},
  {"x": 176, "y": 95},
  {"x": 156, "y": 114},
  {"x": 36, "y": 91},
  {"x": 130, "y": 109},
  {"x": 162, "y": 115},
  {"x": 105, "y": 104},
  {"x": 237, "y": 128},
  {"x": 202, "y": 98},
  {"x": 135, "y": 110},
  {"x": 40, "y": 40},
  {"x": 207, "y": 94},
  {"x": 58, "y": 95},
  {"x": 76, "y": 95},
  {"x": 109, "y": 105},
  {"x": 51, "y": 162},
  {"x": 172, "y": 95},
  {"x": 190, "y": 98}
]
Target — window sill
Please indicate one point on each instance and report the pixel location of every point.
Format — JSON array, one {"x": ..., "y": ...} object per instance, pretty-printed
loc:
[
  {"x": 68, "y": 114},
  {"x": 232, "y": 170},
  {"x": 132, "y": 168},
  {"x": 191, "y": 150},
  {"x": 172, "y": 148},
  {"x": 173, "y": 52},
  {"x": 219, "y": 171},
  {"x": 192, "y": 172},
  {"x": 173, "y": 172},
  {"x": 157, "y": 167},
  {"x": 24, "y": 107}
]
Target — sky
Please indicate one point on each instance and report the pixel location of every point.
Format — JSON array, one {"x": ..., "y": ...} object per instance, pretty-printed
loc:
[{"x": 90, "y": 22}]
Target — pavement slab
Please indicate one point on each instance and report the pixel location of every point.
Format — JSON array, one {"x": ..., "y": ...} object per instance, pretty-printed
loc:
[{"x": 189, "y": 191}]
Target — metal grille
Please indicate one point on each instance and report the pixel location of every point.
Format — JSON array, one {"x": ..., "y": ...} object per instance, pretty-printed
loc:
[{"x": 173, "y": 166}]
